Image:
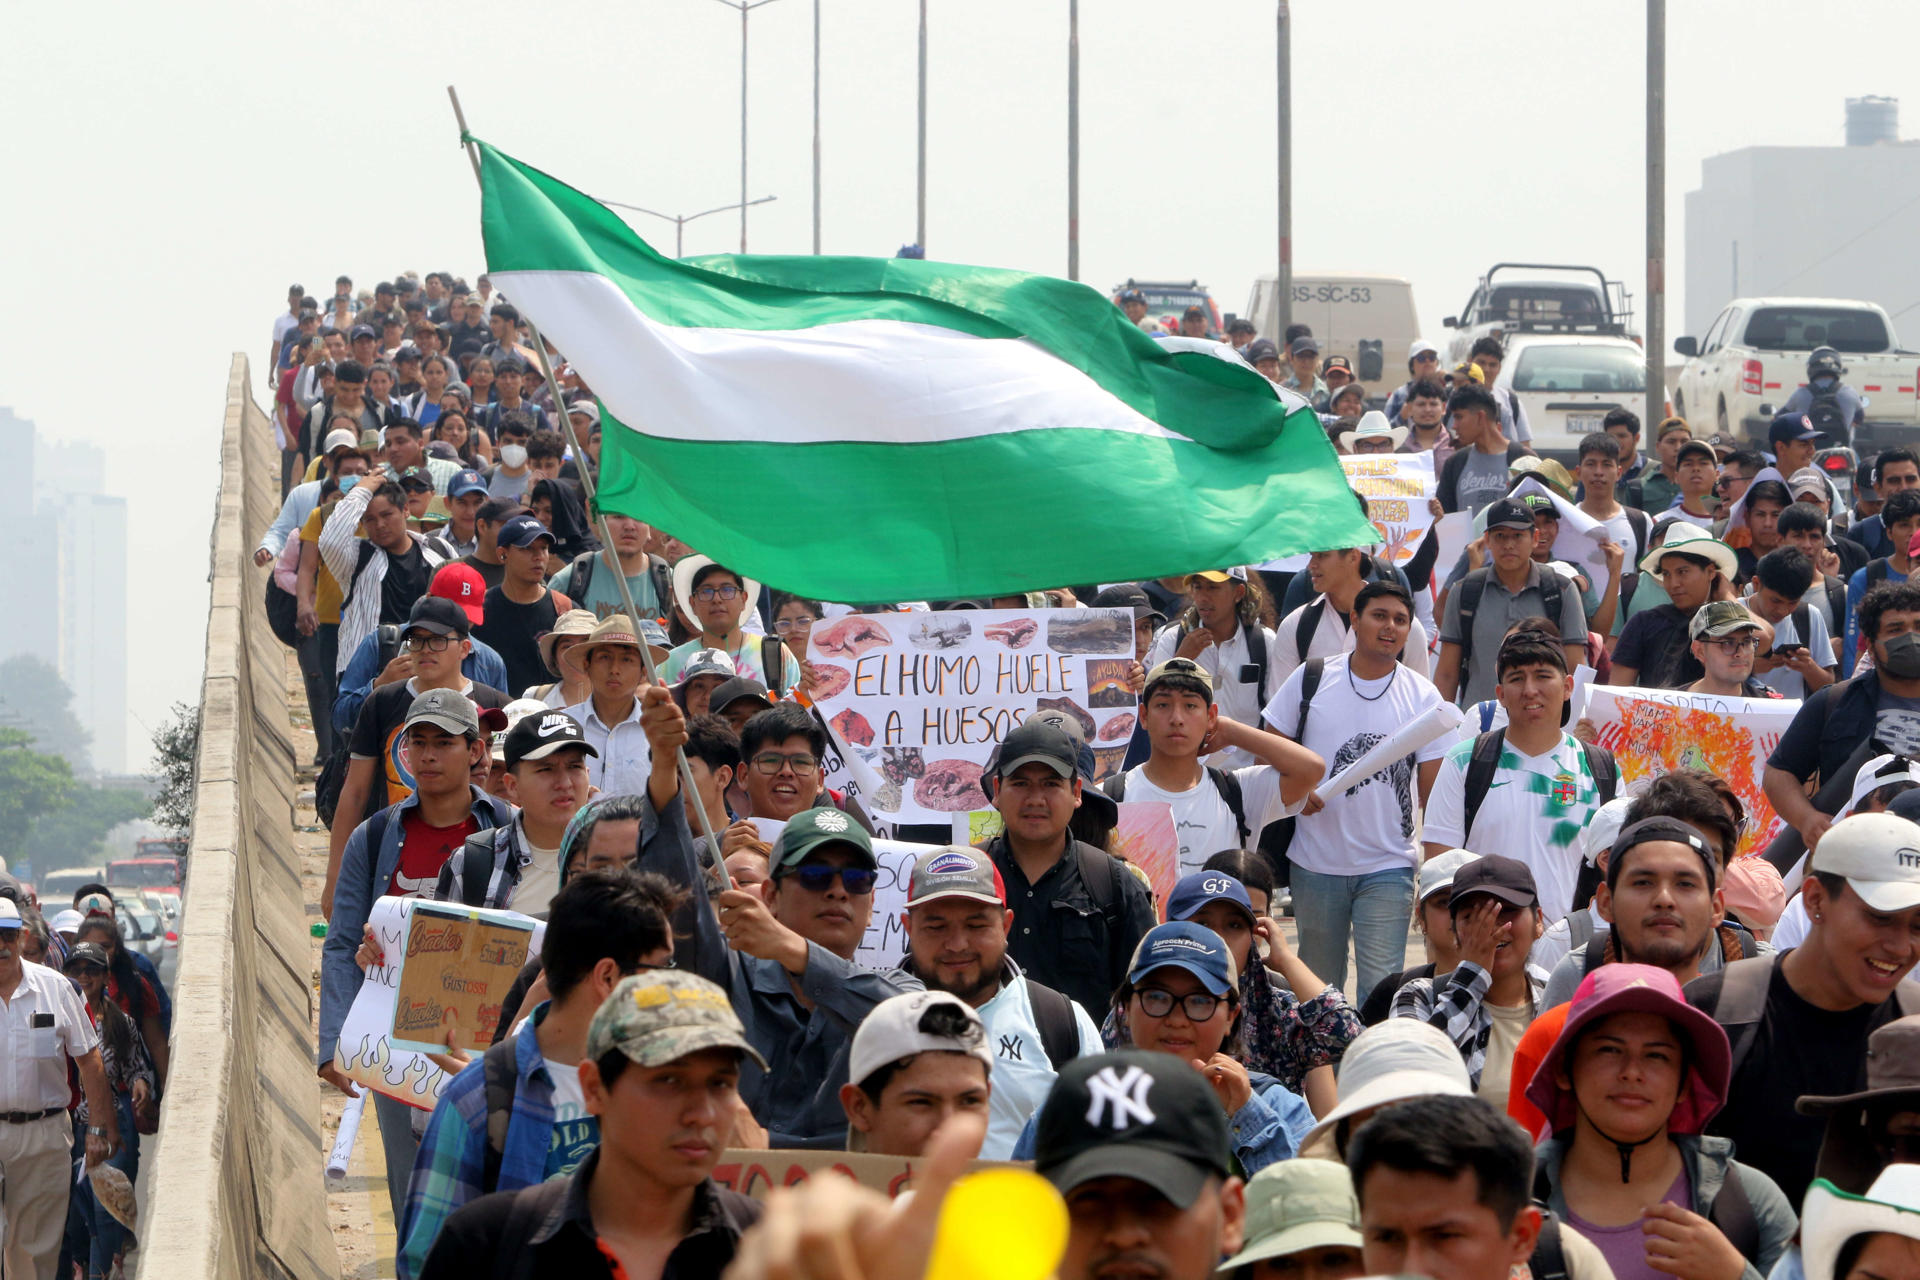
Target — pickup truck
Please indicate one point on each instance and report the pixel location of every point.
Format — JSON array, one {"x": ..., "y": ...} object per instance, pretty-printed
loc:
[{"x": 1754, "y": 355}]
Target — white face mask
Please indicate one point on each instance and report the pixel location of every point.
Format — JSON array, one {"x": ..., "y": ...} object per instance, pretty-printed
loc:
[{"x": 513, "y": 455}]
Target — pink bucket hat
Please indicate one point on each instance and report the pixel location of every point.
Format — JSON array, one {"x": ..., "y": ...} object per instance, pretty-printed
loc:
[{"x": 1640, "y": 988}]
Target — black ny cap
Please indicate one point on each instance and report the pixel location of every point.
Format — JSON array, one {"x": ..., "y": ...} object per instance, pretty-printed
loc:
[{"x": 1133, "y": 1114}]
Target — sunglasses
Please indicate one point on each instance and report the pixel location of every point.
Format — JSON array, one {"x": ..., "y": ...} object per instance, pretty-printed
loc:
[{"x": 817, "y": 878}]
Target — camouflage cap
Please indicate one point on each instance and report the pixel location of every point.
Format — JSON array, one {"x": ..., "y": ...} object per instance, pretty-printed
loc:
[{"x": 663, "y": 1014}]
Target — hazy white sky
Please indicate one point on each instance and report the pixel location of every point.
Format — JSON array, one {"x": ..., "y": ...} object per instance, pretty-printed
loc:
[{"x": 171, "y": 169}]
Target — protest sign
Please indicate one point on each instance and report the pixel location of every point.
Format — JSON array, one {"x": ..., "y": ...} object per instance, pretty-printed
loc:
[
  {"x": 456, "y": 963},
  {"x": 1579, "y": 539},
  {"x": 754, "y": 1172},
  {"x": 366, "y": 1053},
  {"x": 1651, "y": 731},
  {"x": 1398, "y": 488},
  {"x": 1148, "y": 838},
  {"x": 977, "y": 826},
  {"x": 923, "y": 698}
]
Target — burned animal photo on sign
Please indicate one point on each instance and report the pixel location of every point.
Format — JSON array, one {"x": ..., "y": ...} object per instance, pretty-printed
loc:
[
  {"x": 1017, "y": 634},
  {"x": 1107, "y": 684},
  {"x": 1107, "y": 762},
  {"x": 850, "y": 637},
  {"x": 853, "y": 726},
  {"x": 1072, "y": 708},
  {"x": 829, "y": 681},
  {"x": 950, "y": 786},
  {"x": 899, "y": 764},
  {"x": 948, "y": 632},
  {"x": 1118, "y": 728},
  {"x": 1091, "y": 631}
]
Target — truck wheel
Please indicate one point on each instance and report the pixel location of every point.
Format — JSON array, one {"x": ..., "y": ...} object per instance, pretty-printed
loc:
[
  {"x": 1679, "y": 404},
  {"x": 1724, "y": 429}
]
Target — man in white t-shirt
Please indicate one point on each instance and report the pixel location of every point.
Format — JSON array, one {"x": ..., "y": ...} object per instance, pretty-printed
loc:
[
  {"x": 1213, "y": 809},
  {"x": 1353, "y": 853},
  {"x": 1544, "y": 789},
  {"x": 1222, "y": 633},
  {"x": 1324, "y": 626}
]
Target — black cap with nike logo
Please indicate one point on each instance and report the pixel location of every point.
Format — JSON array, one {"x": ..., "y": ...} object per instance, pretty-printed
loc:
[{"x": 539, "y": 735}]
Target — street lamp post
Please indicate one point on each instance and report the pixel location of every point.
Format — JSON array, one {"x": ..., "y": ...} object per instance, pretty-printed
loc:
[
  {"x": 680, "y": 220},
  {"x": 745, "y": 7},
  {"x": 920, "y": 222},
  {"x": 1073, "y": 139}
]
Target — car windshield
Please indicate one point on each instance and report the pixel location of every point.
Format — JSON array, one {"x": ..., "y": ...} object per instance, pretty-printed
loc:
[
  {"x": 1573, "y": 367},
  {"x": 1545, "y": 302},
  {"x": 143, "y": 875},
  {"x": 1804, "y": 328}
]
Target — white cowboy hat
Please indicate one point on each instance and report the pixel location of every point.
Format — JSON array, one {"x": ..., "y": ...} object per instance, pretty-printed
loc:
[
  {"x": 1694, "y": 541},
  {"x": 684, "y": 570},
  {"x": 1831, "y": 1217}
]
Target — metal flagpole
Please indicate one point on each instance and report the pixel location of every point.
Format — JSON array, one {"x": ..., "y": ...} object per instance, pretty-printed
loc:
[{"x": 690, "y": 790}]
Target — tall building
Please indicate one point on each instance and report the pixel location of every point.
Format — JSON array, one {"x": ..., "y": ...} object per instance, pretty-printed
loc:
[
  {"x": 1832, "y": 222},
  {"x": 66, "y": 586}
]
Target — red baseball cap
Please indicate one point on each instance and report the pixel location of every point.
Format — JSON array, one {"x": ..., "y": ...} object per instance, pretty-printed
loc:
[{"x": 462, "y": 584}]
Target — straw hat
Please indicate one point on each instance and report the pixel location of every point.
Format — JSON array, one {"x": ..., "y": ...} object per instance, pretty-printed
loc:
[
  {"x": 616, "y": 630},
  {"x": 574, "y": 622}
]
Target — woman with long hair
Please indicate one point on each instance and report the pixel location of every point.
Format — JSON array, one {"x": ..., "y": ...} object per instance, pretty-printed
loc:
[
  {"x": 480, "y": 381},
  {"x": 92, "y": 1232},
  {"x": 133, "y": 993},
  {"x": 455, "y": 428}
]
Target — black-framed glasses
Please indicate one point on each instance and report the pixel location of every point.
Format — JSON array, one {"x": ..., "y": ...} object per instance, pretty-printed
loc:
[
  {"x": 1734, "y": 646},
  {"x": 818, "y": 878},
  {"x": 769, "y": 763},
  {"x": 1198, "y": 1005},
  {"x": 431, "y": 644},
  {"x": 725, "y": 592}
]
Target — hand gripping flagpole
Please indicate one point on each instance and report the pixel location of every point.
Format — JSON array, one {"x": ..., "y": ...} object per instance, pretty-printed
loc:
[{"x": 690, "y": 790}]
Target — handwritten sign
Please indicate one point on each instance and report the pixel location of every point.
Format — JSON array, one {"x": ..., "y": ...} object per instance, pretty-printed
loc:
[
  {"x": 1397, "y": 487},
  {"x": 755, "y": 1173},
  {"x": 454, "y": 965},
  {"x": 1148, "y": 838},
  {"x": 366, "y": 1053},
  {"x": 1651, "y": 731},
  {"x": 923, "y": 698}
]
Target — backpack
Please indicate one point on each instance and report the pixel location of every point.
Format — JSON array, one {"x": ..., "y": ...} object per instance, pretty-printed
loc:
[
  {"x": 1642, "y": 533},
  {"x": 1743, "y": 1002},
  {"x": 1307, "y": 627},
  {"x": 1876, "y": 572},
  {"x": 1731, "y": 1213},
  {"x": 1485, "y": 762},
  {"x": 283, "y": 613},
  {"x": 1223, "y": 781},
  {"x": 1594, "y": 959},
  {"x": 1474, "y": 585},
  {"x": 1826, "y": 415},
  {"x": 1053, "y": 1017},
  {"x": 1278, "y": 836},
  {"x": 477, "y": 856},
  {"x": 581, "y": 577},
  {"x": 502, "y": 1081},
  {"x": 1256, "y": 653},
  {"x": 333, "y": 774}
]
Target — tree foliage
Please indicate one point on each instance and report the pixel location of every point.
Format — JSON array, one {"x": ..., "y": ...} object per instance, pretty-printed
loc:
[
  {"x": 74, "y": 836},
  {"x": 33, "y": 697},
  {"x": 175, "y": 745},
  {"x": 32, "y": 783}
]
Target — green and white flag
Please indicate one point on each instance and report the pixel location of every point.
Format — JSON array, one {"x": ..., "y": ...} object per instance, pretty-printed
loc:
[{"x": 882, "y": 429}]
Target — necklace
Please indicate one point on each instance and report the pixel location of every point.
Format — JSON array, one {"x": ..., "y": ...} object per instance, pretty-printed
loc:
[{"x": 1387, "y": 688}]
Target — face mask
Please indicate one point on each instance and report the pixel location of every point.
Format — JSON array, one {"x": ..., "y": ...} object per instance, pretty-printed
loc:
[
  {"x": 347, "y": 482},
  {"x": 514, "y": 455},
  {"x": 1903, "y": 657},
  {"x": 1823, "y": 383}
]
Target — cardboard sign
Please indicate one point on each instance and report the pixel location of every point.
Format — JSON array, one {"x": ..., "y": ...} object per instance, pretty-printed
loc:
[
  {"x": 1397, "y": 487},
  {"x": 366, "y": 1053},
  {"x": 1651, "y": 731},
  {"x": 754, "y": 1172},
  {"x": 455, "y": 964},
  {"x": 923, "y": 698}
]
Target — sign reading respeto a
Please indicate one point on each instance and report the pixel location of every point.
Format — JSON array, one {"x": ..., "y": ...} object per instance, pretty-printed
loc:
[{"x": 925, "y": 697}]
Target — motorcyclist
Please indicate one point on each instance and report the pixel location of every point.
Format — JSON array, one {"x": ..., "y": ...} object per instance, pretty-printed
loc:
[{"x": 1835, "y": 408}]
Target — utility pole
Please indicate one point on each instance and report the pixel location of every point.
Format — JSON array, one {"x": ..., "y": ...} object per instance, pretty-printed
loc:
[
  {"x": 1656, "y": 335},
  {"x": 1073, "y": 139},
  {"x": 1284, "y": 283},
  {"x": 920, "y": 223},
  {"x": 680, "y": 220},
  {"x": 745, "y": 7},
  {"x": 816, "y": 127}
]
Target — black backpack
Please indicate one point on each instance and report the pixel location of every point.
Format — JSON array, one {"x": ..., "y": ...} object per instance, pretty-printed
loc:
[
  {"x": 1256, "y": 654},
  {"x": 1053, "y": 1017},
  {"x": 1826, "y": 415},
  {"x": 1743, "y": 1003},
  {"x": 283, "y": 613},
  {"x": 1485, "y": 762},
  {"x": 502, "y": 1081},
  {"x": 1277, "y": 838},
  {"x": 1731, "y": 1212},
  {"x": 1223, "y": 781},
  {"x": 333, "y": 774},
  {"x": 1474, "y": 586}
]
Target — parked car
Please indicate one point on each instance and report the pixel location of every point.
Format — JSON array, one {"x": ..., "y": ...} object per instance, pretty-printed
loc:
[
  {"x": 1368, "y": 319},
  {"x": 1167, "y": 301},
  {"x": 1754, "y": 355},
  {"x": 1567, "y": 383}
]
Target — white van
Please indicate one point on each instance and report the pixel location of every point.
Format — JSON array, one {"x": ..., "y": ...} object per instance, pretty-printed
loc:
[{"x": 1368, "y": 319}]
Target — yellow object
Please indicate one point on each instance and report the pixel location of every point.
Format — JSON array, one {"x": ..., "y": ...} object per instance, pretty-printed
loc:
[{"x": 973, "y": 1240}]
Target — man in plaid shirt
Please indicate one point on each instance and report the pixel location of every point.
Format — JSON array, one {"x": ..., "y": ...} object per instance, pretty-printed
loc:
[{"x": 603, "y": 925}]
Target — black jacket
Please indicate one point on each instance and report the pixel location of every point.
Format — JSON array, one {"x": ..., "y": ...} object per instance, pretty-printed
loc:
[{"x": 1075, "y": 937}]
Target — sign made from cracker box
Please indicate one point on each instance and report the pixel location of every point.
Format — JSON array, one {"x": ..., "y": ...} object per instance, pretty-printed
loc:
[{"x": 923, "y": 698}]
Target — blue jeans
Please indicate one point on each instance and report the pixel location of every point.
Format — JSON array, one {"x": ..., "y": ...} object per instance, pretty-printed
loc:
[
  {"x": 94, "y": 1234},
  {"x": 1376, "y": 908},
  {"x": 400, "y": 1146}
]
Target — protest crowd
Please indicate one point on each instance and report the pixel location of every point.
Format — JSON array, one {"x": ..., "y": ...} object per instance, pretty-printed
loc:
[{"x": 1661, "y": 1022}]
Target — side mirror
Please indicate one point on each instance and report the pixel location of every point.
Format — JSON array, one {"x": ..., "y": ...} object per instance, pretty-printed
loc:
[
  {"x": 1686, "y": 346},
  {"x": 1766, "y": 410},
  {"x": 1451, "y": 322}
]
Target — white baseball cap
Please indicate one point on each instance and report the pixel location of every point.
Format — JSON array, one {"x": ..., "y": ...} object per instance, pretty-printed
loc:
[
  {"x": 1419, "y": 347},
  {"x": 1603, "y": 828},
  {"x": 1436, "y": 873},
  {"x": 1878, "y": 854},
  {"x": 9, "y": 914},
  {"x": 894, "y": 1030},
  {"x": 1394, "y": 1061},
  {"x": 1881, "y": 771}
]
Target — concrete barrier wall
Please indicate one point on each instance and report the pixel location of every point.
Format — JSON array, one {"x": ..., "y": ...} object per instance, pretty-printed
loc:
[{"x": 237, "y": 1187}]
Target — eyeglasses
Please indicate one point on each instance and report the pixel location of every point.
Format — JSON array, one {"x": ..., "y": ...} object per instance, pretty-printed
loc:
[
  {"x": 1734, "y": 646},
  {"x": 431, "y": 644},
  {"x": 1199, "y": 1005},
  {"x": 818, "y": 878},
  {"x": 727, "y": 592},
  {"x": 770, "y": 763},
  {"x": 785, "y": 625}
]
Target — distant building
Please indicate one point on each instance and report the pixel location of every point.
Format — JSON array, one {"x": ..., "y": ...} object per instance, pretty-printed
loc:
[
  {"x": 65, "y": 583},
  {"x": 1833, "y": 222}
]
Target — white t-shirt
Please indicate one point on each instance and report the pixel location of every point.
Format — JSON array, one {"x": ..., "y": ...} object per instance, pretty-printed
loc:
[
  {"x": 1785, "y": 681},
  {"x": 1022, "y": 1077},
  {"x": 539, "y": 881},
  {"x": 1201, "y": 816},
  {"x": 1368, "y": 827},
  {"x": 1532, "y": 812},
  {"x": 1226, "y": 663},
  {"x": 1332, "y": 636}
]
